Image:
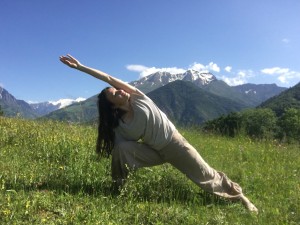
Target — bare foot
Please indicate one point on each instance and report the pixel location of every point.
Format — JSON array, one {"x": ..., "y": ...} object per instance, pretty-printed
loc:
[{"x": 249, "y": 205}]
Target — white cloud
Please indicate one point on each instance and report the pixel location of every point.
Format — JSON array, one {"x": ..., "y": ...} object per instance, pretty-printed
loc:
[
  {"x": 284, "y": 75},
  {"x": 136, "y": 68},
  {"x": 285, "y": 40},
  {"x": 201, "y": 68},
  {"x": 145, "y": 71},
  {"x": 241, "y": 78},
  {"x": 214, "y": 67},
  {"x": 282, "y": 79},
  {"x": 172, "y": 70},
  {"x": 228, "y": 69},
  {"x": 233, "y": 81},
  {"x": 275, "y": 70},
  {"x": 242, "y": 74},
  {"x": 198, "y": 67}
]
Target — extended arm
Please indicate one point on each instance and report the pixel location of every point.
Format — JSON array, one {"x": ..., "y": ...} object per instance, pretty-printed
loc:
[{"x": 116, "y": 83}]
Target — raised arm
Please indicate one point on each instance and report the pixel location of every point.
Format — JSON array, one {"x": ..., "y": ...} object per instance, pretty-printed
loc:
[{"x": 116, "y": 83}]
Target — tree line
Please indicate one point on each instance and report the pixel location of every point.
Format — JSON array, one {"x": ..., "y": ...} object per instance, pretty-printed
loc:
[
  {"x": 1, "y": 111},
  {"x": 260, "y": 123}
]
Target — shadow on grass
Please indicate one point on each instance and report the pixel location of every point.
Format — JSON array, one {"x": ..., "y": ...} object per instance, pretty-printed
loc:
[{"x": 163, "y": 191}]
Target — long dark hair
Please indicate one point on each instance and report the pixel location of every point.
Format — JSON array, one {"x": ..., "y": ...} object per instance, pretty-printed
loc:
[{"x": 108, "y": 120}]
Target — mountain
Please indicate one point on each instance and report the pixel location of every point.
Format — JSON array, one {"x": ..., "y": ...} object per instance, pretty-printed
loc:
[
  {"x": 222, "y": 89},
  {"x": 250, "y": 95},
  {"x": 13, "y": 107},
  {"x": 290, "y": 98},
  {"x": 87, "y": 110},
  {"x": 260, "y": 92},
  {"x": 233, "y": 98},
  {"x": 159, "y": 79},
  {"x": 44, "y": 108},
  {"x": 83, "y": 112},
  {"x": 187, "y": 104},
  {"x": 182, "y": 101}
]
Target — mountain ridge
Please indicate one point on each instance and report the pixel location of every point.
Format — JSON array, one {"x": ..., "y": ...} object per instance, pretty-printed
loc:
[
  {"x": 261, "y": 92},
  {"x": 13, "y": 107},
  {"x": 159, "y": 79},
  {"x": 43, "y": 108},
  {"x": 193, "y": 105},
  {"x": 86, "y": 110},
  {"x": 289, "y": 98}
]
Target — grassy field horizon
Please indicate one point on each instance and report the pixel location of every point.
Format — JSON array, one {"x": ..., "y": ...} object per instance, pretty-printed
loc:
[{"x": 50, "y": 174}]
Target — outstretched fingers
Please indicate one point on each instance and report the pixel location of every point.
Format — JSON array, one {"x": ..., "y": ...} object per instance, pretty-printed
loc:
[
  {"x": 71, "y": 57},
  {"x": 64, "y": 59},
  {"x": 67, "y": 61}
]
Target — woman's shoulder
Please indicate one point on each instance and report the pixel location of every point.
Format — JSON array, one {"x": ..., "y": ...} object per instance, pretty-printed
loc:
[
  {"x": 138, "y": 95},
  {"x": 144, "y": 99}
]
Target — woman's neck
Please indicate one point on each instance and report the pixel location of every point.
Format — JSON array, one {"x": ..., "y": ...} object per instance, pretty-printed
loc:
[
  {"x": 128, "y": 116},
  {"x": 126, "y": 106}
]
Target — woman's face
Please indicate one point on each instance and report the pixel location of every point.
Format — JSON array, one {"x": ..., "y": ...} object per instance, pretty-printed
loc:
[{"x": 117, "y": 97}]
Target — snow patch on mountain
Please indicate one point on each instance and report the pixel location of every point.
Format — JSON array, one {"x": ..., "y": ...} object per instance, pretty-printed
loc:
[
  {"x": 161, "y": 78},
  {"x": 43, "y": 108},
  {"x": 1, "y": 90},
  {"x": 61, "y": 103},
  {"x": 250, "y": 91},
  {"x": 194, "y": 75}
]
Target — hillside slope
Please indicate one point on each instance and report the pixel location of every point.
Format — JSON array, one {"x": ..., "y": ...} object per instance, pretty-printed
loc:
[
  {"x": 287, "y": 99},
  {"x": 182, "y": 101},
  {"x": 82, "y": 112},
  {"x": 259, "y": 92},
  {"x": 187, "y": 104},
  {"x": 13, "y": 107}
]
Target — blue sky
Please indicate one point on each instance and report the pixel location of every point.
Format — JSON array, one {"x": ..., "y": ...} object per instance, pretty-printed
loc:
[{"x": 249, "y": 41}]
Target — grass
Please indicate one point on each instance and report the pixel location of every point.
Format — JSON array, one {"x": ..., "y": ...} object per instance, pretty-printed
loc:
[{"x": 49, "y": 174}]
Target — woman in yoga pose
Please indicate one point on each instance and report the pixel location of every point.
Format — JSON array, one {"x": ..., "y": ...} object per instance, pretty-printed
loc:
[{"x": 138, "y": 134}]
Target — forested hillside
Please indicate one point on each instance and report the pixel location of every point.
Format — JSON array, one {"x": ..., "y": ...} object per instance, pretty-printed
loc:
[
  {"x": 287, "y": 99},
  {"x": 278, "y": 117}
]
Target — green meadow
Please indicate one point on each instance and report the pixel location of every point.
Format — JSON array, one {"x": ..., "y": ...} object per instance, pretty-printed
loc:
[{"x": 50, "y": 174}]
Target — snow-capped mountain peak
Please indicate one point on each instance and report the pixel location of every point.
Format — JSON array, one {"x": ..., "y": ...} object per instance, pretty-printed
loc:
[
  {"x": 61, "y": 103},
  {"x": 203, "y": 77},
  {"x": 1, "y": 90},
  {"x": 162, "y": 78},
  {"x": 44, "y": 108}
]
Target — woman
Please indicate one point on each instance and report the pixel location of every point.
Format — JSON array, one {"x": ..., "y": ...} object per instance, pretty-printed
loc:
[{"x": 126, "y": 116}]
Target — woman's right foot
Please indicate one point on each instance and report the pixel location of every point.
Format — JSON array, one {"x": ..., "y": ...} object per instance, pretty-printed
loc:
[{"x": 249, "y": 205}]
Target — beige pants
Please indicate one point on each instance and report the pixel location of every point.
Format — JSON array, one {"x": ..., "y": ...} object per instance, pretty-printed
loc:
[{"x": 130, "y": 155}]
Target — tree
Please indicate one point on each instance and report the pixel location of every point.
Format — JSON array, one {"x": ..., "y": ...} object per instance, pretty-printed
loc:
[
  {"x": 259, "y": 123},
  {"x": 289, "y": 124},
  {"x": 228, "y": 125},
  {"x": 1, "y": 112}
]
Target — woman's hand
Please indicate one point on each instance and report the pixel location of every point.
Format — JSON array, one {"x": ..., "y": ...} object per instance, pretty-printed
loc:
[
  {"x": 70, "y": 61},
  {"x": 74, "y": 63}
]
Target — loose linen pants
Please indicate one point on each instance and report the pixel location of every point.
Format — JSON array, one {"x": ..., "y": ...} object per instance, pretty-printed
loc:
[{"x": 131, "y": 155}]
